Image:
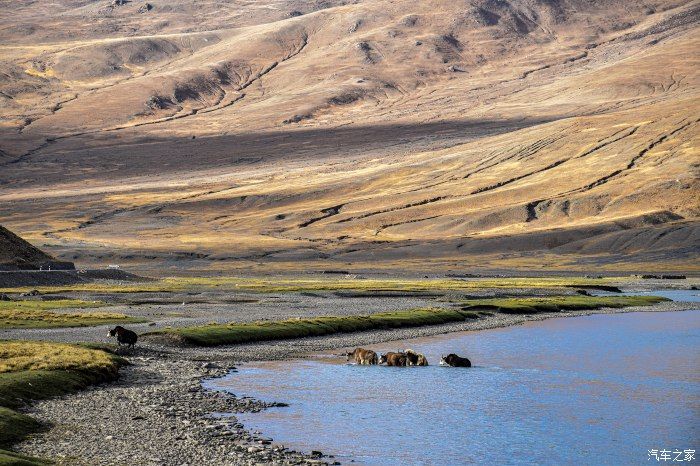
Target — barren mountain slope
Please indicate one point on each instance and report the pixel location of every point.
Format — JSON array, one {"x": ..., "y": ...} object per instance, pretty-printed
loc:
[
  {"x": 16, "y": 253},
  {"x": 490, "y": 133}
]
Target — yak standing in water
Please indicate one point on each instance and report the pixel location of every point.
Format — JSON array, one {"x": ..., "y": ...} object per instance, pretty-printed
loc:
[
  {"x": 415, "y": 359},
  {"x": 363, "y": 356},
  {"x": 453, "y": 360},
  {"x": 124, "y": 336},
  {"x": 393, "y": 359}
]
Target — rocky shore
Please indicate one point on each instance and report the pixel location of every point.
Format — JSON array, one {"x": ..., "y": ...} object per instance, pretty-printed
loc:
[{"x": 158, "y": 413}]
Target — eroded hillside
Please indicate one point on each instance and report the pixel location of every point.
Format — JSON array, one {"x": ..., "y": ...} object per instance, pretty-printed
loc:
[{"x": 480, "y": 133}]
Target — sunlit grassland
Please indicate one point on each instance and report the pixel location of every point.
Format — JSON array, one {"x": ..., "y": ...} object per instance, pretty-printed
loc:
[
  {"x": 37, "y": 370},
  {"x": 38, "y": 314},
  {"x": 279, "y": 285},
  {"x": 16, "y": 356}
]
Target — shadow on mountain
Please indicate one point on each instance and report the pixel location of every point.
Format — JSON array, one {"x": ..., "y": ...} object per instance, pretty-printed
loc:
[{"x": 126, "y": 153}]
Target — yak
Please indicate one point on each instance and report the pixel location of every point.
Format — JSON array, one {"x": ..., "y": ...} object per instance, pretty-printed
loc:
[
  {"x": 415, "y": 359},
  {"x": 124, "y": 336},
  {"x": 393, "y": 359},
  {"x": 363, "y": 356},
  {"x": 453, "y": 360}
]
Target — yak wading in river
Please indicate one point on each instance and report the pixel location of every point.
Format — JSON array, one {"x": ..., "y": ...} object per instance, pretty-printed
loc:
[{"x": 363, "y": 356}]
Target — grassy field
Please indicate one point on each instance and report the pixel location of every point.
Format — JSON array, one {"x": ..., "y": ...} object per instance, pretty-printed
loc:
[
  {"x": 236, "y": 333},
  {"x": 38, "y": 314},
  {"x": 37, "y": 370},
  {"x": 557, "y": 303},
  {"x": 280, "y": 285},
  {"x": 17, "y": 356}
]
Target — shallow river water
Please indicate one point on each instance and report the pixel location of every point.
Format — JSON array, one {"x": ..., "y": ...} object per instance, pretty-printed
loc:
[{"x": 599, "y": 389}]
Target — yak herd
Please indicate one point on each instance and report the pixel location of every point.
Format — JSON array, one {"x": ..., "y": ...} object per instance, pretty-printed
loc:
[
  {"x": 359, "y": 355},
  {"x": 401, "y": 359}
]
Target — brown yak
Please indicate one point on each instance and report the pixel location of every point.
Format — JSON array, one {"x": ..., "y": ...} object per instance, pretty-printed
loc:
[
  {"x": 393, "y": 359},
  {"x": 415, "y": 359},
  {"x": 363, "y": 356}
]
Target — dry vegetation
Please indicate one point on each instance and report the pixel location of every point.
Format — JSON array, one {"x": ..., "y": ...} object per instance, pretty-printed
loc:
[
  {"x": 284, "y": 284},
  {"x": 37, "y": 314},
  {"x": 18, "y": 356},
  {"x": 484, "y": 134}
]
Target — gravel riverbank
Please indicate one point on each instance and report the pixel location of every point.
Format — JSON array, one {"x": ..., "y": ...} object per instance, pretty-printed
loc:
[{"x": 157, "y": 413}]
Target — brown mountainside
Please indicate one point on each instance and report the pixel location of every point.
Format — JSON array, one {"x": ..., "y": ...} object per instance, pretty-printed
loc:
[{"x": 485, "y": 133}]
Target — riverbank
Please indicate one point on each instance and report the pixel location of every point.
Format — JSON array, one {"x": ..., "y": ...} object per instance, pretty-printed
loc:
[
  {"x": 31, "y": 371},
  {"x": 158, "y": 412}
]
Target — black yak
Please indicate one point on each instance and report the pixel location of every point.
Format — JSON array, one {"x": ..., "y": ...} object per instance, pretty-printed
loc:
[
  {"x": 124, "y": 336},
  {"x": 455, "y": 361}
]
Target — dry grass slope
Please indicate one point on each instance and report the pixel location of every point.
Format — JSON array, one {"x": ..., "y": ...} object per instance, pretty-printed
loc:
[
  {"x": 488, "y": 134},
  {"x": 38, "y": 314}
]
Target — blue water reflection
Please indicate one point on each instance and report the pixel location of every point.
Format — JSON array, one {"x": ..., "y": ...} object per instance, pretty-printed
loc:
[{"x": 599, "y": 389}]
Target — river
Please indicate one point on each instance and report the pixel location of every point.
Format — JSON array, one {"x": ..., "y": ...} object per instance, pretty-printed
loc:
[{"x": 598, "y": 389}]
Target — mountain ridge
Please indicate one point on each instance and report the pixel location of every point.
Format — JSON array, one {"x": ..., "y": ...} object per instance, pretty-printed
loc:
[{"x": 393, "y": 123}]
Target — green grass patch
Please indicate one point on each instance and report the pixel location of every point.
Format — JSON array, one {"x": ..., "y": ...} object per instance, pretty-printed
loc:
[
  {"x": 32, "y": 371},
  {"x": 15, "y": 426},
  {"x": 10, "y": 458},
  {"x": 235, "y": 333},
  {"x": 34, "y": 356},
  {"x": 557, "y": 303},
  {"x": 38, "y": 314}
]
